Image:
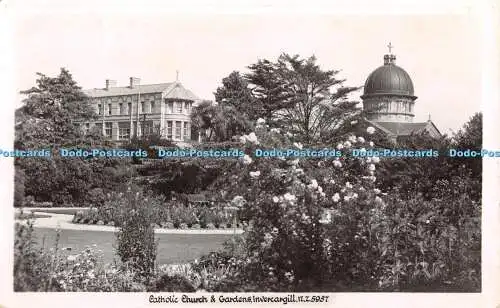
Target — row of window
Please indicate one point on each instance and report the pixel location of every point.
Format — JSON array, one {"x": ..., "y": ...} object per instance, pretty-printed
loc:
[
  {"x": 179, "y": 107},
  {"x": 387, "y": 107},
  {"x": 176, "y": 130}
]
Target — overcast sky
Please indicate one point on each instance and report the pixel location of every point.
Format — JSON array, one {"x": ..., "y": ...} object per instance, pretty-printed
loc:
[{"x": 440, "y": 52}]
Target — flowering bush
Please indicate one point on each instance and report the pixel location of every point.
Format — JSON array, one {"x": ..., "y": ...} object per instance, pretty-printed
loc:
[{"x": 323, "y": 224}]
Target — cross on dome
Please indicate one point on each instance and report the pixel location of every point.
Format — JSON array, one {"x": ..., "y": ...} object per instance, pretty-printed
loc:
[{"x": 390, "y": 46}]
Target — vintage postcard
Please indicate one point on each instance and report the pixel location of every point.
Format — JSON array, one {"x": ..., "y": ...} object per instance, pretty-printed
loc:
[{"x": 263, "y": 154}]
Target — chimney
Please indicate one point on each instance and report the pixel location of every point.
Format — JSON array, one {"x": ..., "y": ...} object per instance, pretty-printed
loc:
[
  {"x": 134, "y": 82},
  {"x": 110, "y": 83}
]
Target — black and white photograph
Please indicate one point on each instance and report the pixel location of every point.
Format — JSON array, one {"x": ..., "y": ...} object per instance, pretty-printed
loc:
[{"x": 246, "y": 158}]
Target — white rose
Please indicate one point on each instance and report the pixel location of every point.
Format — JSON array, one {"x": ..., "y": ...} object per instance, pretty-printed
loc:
[
  {"x": 370, "y": 130},
  {"x": 336, "y": 197},
  {"x": 254, "y": 174},
  {"x": 247, "y": 159}
]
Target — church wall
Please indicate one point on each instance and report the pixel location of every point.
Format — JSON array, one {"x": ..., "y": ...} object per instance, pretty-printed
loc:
[{"x": 389, "y": 109}]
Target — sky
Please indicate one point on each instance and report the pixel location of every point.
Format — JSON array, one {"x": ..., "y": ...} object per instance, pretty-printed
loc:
[{"x": 442, "y": 52}]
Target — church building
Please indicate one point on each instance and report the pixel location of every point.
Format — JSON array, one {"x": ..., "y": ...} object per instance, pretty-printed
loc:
[{"x": 389, "y": 102}]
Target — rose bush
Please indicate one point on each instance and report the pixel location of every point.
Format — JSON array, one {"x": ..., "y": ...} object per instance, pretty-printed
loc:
[{"x": 323, "y": 224}]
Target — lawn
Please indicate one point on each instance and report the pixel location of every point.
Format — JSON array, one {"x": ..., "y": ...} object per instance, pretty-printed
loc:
[{"x": 172, "y": 248}]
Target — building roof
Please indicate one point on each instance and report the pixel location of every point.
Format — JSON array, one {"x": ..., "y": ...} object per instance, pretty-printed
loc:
[
  {"x": 179, "y": 92},
  {"x": 405, "y": 129},
  {"x": 388, "y": 79},
  {"x": 173, "y": 90}
]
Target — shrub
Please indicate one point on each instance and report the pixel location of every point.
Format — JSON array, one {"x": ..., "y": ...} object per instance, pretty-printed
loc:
[
  {"x": 136, "y": 245},
  {"x": 19, "y": 179},
  {"x": 32, "y": 268},
  {"x": 177, "y": 283}
]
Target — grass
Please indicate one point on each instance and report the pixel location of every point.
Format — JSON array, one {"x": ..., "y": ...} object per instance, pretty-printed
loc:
[{"x": 172, "y": 248}]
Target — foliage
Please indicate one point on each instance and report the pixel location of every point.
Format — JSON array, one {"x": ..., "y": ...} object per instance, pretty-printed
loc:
[
  {"x": 219, "y": 122},
  {"x": 136, "y": 244},
  {"x": 37, "y": 269},
  {"x": 19, "y": 187},
  {"x": 427, "y": 176},
  {"x": 31, "y": 266},
  {"x": 51, "y": 117},
  {"x": 291, "y": 93},
  {"x": 322, "y": 224},
  {"x": 163, "y": 213},
  {"x": 52, "y": 111}
]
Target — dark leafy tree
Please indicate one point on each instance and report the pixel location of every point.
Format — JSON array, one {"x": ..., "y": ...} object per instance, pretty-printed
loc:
[{"x": 51, "y": 118}]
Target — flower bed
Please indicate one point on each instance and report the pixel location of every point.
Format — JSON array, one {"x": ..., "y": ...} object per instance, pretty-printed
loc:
[{"x": 170, "y": 216}]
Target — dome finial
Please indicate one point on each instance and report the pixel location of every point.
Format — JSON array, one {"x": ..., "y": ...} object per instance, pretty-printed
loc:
[{"x": 390, "y": 58}]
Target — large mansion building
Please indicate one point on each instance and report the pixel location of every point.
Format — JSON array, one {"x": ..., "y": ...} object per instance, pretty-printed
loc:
[{"x": 138, "y": 110}]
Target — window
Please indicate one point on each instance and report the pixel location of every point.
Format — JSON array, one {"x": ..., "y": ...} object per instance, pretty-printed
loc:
[
  {"x": 99, "y": 109},
  {"x": 179, "y": 107},
  {"x": 186, "y": 131},
  {"x": 170, "y": 107},
  {"x": 108, "y": 132},
  {"x": 99, "y": 127},
  {"x": 123, "y": 131},
  {"x": 152, "y": 107},
  {"x": 121, "y": 109},
  {"x": 142, "y": 108},
  {"x": 178, "y": 130},
  {"x": 148, "y": 128},
  {"x": 129, "y": 109},
  {"x": 169, "y": 129},
  {"x": 187, "y": 107},
  {"x": 109, "y": 109}
]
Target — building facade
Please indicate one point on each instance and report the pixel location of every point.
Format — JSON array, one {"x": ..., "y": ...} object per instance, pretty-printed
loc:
[
  {"x": 389, "y": 102},
  {"x": 138, "y": 110}
]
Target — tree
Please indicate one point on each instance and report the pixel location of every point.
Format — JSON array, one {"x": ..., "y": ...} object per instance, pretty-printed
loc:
[
  {"x": 291, "y": 93},
  {"x": 235, "y": 92},
  {"x": 52, "y": 111},
  {"x": 219, "y": 122},
  {"x": 50, "y": 118},
  {"x": 470, "y": 136}
]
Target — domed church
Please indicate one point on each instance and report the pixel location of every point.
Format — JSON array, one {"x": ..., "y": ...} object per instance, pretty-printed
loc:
[{"x": 389, "y": 102}]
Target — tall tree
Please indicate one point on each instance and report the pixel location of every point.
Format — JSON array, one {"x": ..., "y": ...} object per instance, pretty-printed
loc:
[
  {"x": 235, "y": 92},
  {"x": 52, "y": 112},
  {"x": 301, "y": 97},
  {"x": 51, "y": 118}
]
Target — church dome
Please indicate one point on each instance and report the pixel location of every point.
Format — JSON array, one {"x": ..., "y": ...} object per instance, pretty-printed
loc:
[{"x": 388, "y": 79}]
